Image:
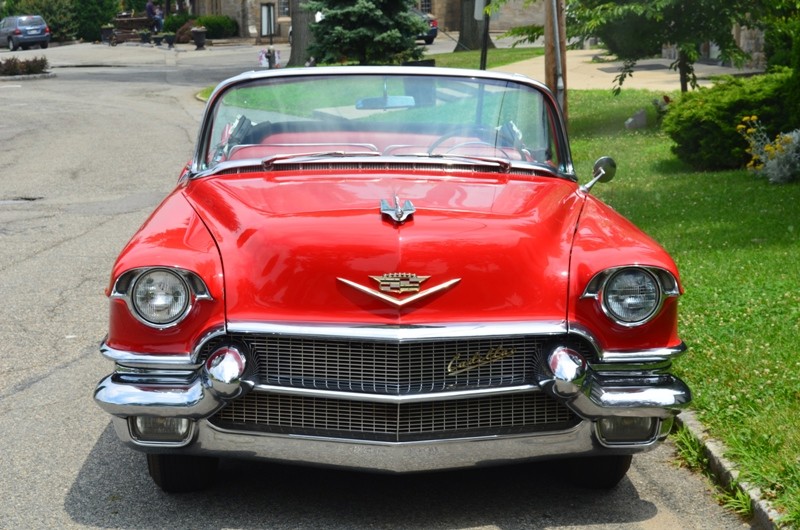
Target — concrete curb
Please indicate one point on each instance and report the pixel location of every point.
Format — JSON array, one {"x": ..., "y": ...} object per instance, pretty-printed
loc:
[
  {"x": 46, "y": 75},
  {"x": 724, "y": 473}
]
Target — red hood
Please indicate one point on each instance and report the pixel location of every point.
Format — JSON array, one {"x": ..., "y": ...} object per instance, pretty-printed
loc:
[{"x": 287, "y": 243}]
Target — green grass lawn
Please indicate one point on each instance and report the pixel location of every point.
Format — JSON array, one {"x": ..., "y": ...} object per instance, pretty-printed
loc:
[
  {"x": 736, "y": 239},
  {"x": 494, "y": 57}
]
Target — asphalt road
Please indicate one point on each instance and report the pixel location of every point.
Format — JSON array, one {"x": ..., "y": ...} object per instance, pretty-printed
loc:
[{"x": 84, "y": 158}]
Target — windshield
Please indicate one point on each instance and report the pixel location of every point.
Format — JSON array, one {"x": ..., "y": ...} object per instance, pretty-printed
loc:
[{"x": 389, "y": 115}]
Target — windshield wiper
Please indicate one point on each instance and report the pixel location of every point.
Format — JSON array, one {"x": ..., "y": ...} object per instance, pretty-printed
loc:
[
  {"x": 503, "y": 163},
  {"x": 268, "y": 162}
]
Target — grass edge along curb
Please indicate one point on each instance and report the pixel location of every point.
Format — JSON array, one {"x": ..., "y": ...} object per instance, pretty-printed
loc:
[{"x": 725, "y": 475}]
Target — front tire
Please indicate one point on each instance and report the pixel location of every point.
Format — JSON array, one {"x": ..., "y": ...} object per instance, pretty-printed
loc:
[
  {"x": 181, "y": 473},
  {"x": 599, "y": 472}
]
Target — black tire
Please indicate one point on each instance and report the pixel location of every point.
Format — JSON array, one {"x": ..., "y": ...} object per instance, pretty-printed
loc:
[
  {"x": 428, "y": 40},
  {"x": 599, "y": 472},
  {"x": 181, "y": 473},
  {"x": 44, "y": 45},
  {"x": 11, "y": 46}
]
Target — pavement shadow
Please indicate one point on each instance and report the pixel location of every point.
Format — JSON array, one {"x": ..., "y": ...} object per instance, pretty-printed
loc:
[{"x": 113, "y": 490}]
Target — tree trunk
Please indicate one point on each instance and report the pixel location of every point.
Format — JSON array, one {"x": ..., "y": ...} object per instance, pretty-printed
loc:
[
  {"x": 551, "y": 64},
  {"x": 683, "y": 71},
  {"x": 301, "y": 33},
  {"x": 470, "y": 36}
]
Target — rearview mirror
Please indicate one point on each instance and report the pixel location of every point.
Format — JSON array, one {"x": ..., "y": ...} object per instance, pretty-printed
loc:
[{"x": 385, "y": 103}]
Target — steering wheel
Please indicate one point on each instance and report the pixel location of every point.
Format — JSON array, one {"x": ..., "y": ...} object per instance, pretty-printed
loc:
[
  {"x": 472, "y": 143},
  {"x": 481, "y": 133},
  {"x": 507, "y": 135}
]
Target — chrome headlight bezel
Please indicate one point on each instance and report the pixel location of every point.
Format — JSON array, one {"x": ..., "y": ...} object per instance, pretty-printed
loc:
[
  {"x": 192, "y": 285},
  {"x": 601, "y": 286}
]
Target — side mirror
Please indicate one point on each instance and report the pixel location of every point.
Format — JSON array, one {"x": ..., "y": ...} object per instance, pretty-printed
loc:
[{"x": 604, "y": 170}]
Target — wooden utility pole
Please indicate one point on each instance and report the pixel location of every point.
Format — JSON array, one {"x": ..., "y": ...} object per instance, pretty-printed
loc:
[{"x": 555, "y": 57}]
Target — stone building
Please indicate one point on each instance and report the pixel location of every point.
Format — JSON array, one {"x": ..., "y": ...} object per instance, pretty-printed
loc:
[{"x": 250, "y": 14}]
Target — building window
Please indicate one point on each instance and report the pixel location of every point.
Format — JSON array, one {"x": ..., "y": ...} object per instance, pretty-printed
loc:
[
  {"x": 424, "y": 6},
  {"x": 283, "y": 8}
]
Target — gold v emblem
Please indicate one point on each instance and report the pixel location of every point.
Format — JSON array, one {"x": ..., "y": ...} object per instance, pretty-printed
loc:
[{"x": 399, "y": 283}]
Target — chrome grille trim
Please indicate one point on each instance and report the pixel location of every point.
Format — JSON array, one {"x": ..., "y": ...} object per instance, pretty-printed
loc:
[
  {"x": 506, "y": 414},
  {"x": 387, "y": 367},
  {"x": 378, "y": 398},
  {"x": 403, "y": 332}
]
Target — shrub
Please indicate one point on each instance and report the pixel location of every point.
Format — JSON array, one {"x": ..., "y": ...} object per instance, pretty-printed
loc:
[
  {"x": 778, "y": 160},
  {"x": 218, "y": 26},
  {"x": 90, "y": 16},
  {"x": 175, "y": 22},
  {"x": 14, "y": 66},
  {"x": 702, "y": 122}
]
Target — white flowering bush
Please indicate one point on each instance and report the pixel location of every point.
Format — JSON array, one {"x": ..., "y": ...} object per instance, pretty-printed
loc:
[{"x": 778, "y": 159}]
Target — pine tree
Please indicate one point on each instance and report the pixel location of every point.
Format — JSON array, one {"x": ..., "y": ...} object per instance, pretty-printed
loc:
[{"x": 366, "y": 32}]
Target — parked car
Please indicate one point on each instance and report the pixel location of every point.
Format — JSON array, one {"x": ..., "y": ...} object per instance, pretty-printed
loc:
[
  {"x": 398, "y": 271},
  {"x": 431, "y": 22},
  {"x": 24, "y": 32}
]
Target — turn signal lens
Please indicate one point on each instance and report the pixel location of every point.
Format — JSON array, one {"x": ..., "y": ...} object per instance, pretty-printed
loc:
[
  {"x": 152, "y": 429},
  {"x": 627, "y": 430}
]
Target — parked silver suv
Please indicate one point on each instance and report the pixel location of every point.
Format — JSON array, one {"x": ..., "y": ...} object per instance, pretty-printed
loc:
[{"x": 24, "y": 32}]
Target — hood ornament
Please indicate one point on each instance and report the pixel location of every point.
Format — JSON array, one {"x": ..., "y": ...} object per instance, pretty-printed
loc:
[{"x": 398, "y": 213}]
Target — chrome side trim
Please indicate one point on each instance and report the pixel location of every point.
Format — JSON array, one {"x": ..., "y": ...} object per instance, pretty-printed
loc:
[
  {"x": 643, "y": 356},
  {"x": 653, "y": 355},
  {"x": 149, "y": 361},
  {"x": 178, "y": 361}
]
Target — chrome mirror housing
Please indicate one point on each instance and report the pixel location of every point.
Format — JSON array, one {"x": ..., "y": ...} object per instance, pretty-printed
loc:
[{"x": 604, "y": 170}]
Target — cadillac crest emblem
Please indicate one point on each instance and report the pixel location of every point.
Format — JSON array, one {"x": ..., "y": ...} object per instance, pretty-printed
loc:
[
  {"x": 399, "y": 282},
  {"x": 392, "y": 287}
]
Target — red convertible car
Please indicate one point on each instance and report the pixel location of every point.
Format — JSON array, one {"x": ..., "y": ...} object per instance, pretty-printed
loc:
[{"x": 391, "y": 269}]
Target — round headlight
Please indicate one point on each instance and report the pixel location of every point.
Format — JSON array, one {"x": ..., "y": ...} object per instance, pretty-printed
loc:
[
  {"x": 631, "y": 296},
  {"x": 160, "y": 296}
]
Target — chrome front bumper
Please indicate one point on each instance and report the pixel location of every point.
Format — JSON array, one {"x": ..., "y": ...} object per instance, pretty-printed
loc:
[
  {"x": 627, "y": 384},
  {"x": 208, "y": 440}
]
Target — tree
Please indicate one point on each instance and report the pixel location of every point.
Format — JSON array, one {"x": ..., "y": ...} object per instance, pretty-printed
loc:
[
  {"x": 89, "y": 16},
  {"x": 636, "y": 29},
  {"x": 365, "y": 31},
  {"x": 59, "y": 15},
  {"x": 301, "y": 34},
  {"x": 8, "y": 8},
  {"x": 470, "y": 36}
]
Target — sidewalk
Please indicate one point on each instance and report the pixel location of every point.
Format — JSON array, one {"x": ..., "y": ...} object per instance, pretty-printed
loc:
[
  {"x": 585, "y": 69},
  {"x": 651, "y": 74}
]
